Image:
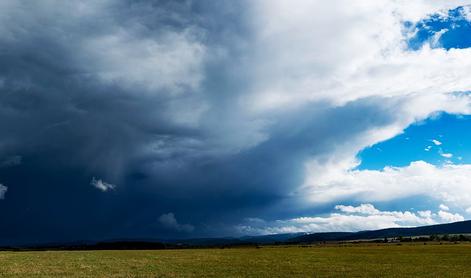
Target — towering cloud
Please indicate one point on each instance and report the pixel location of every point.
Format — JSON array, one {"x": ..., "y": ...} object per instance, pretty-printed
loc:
[{"x": 214, "y": 111}]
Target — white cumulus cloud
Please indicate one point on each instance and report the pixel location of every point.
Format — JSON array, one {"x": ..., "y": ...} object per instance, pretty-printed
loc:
[
  {"x": 361, "y": 56},
  {"x": 448, "y": 184},
  {"x": 444, "y": 207},
  {"x": 366, "y": 209},
  {"x": 450, "y": 217},
  {"x": 348, "y": 219},
  {"x": 102, "y": 185},
  {"x": 436, "y": 142}
]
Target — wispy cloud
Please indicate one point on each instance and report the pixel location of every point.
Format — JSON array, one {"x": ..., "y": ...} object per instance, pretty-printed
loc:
[
  {"x": 447, "y": 155},
  {"x": 11, "y": 161},
  {"x": 3, "y": 191}
]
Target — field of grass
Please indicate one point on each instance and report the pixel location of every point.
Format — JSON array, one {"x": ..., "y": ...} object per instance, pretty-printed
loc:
[{"x": 451, "y": 260}]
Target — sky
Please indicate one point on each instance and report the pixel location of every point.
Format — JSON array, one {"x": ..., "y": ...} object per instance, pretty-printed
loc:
[{"x": 182, "y": 119}]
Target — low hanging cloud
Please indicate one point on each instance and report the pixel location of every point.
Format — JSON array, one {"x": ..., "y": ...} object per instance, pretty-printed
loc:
[
  {"x": 169, "y": 221},
  {"x": 450, "y": 217},
  {"x": 448, "y": 183},
  {"x": 101, "y": 185},
  {"x": 3, "y": 191},
  {"x": 348, "y": 219}
]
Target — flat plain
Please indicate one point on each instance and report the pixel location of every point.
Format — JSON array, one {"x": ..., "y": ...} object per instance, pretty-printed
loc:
[{"x": 335, "y": 260}]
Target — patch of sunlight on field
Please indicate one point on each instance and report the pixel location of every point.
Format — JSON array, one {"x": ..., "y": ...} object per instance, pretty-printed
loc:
[{"x": 451, "y": 260}]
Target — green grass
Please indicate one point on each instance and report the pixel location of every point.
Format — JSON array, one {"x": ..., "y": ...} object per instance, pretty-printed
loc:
[{"x": 451, "y": 260}]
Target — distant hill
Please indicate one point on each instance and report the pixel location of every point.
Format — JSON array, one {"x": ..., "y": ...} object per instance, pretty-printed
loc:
[
  {"x": 245, "y": 240},
  {"x": 463, "y": 227},
  {"x": 456, "y": 228},
  {"x": 154, "y": 244}
]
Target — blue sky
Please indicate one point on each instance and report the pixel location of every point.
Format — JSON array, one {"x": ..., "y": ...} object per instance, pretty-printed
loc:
[
  {"x": 169, "y": 119},
  {"x": 435, "y": 138},
  {"x": 455, "y": 27},
  {"x": 427, "y": 140}
]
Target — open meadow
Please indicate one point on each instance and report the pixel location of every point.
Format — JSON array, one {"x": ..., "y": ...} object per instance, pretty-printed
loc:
[{"x": 362, "y": 260}]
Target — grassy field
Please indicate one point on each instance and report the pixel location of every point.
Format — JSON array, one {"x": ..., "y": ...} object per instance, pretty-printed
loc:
[{"x": 451, "y": 260}]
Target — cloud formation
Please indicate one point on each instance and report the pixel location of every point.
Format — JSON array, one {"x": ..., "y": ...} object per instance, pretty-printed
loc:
[
  {"x": 101, "y": 185},
  {"x": 436, "y": 142},
  {"x": 214, "y": 111},
  {"x": 348, "y": 219},
  {"x": 447, "y": 183},
  {"x": 446, "y": 155},
  {"x": 444, "y": 207},
  {"x": 450, "y": 217},
  {"x": 169, "y": 221}
]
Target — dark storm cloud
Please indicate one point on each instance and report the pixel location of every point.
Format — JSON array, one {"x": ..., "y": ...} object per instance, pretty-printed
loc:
[
  {"x": 145, "y": 96},
  {"x": 102, "y": 88},
  {"x": 62, "y": 93}
]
